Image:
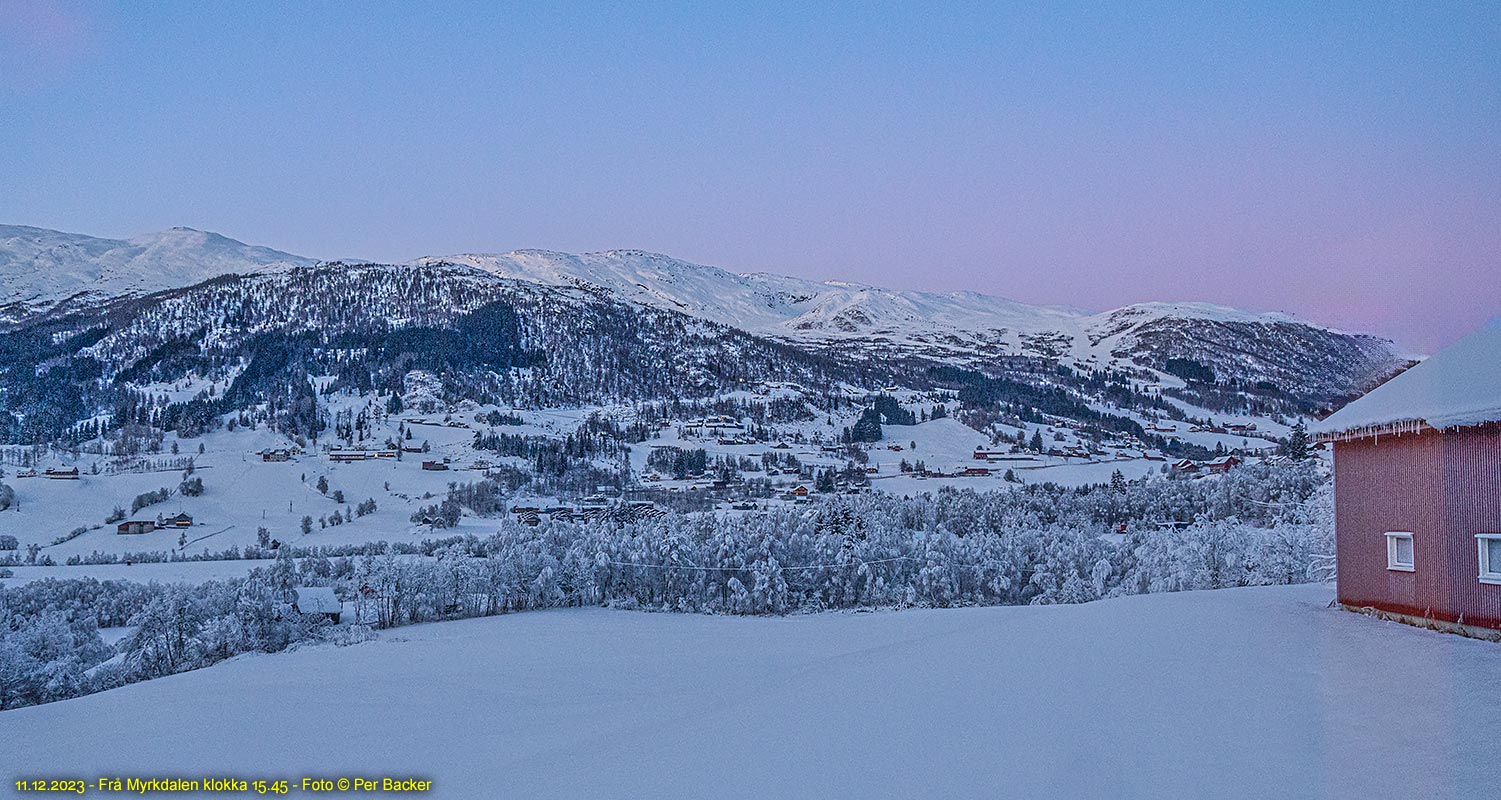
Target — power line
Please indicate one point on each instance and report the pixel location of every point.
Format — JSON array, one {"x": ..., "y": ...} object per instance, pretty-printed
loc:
[{"x": 748, "y": 568}]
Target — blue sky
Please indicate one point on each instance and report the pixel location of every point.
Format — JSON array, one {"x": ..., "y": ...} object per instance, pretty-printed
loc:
[{"x": 1339, "y": 161}]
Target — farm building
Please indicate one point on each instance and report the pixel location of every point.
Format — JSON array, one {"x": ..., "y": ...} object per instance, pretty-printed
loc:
[
  {"x": 1223, "y": 464},
  {"x": 179, "y": 521},
  {"x": 319, "y": 600},
  {"x": 1417, "y": 490},
  {"x": 136, "y": 526}
]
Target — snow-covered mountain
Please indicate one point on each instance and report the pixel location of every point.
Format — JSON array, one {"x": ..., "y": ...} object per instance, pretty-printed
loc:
[
  {"x": 769, "y": 304},
  {"x": 45, "y": 271},
  {"x": 42, "y": 270},
  {"x": 1239, "y": 344}
]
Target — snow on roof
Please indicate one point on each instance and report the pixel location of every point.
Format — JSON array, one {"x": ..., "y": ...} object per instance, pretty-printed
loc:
[
  {"x": 1456, "y": 387},
  {"x": 317, "y": 600}
]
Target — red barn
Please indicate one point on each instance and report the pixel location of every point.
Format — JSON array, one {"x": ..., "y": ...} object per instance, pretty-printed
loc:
[{"x": 1417, "y": 491}]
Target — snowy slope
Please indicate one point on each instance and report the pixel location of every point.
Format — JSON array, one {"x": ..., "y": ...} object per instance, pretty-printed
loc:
[
  {"x": 1238, "y": 693},
  {"x": 41, "y": 269}
]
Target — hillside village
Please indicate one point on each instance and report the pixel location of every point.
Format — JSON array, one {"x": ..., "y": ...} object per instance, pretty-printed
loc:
[{"x": 382, "y": 476}]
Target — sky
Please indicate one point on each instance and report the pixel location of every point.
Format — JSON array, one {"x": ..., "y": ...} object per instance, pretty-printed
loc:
[{"x": 1340, "y": 161}]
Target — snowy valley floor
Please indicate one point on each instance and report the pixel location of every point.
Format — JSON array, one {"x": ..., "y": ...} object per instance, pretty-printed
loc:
[{"x": 1250, "y": 693}]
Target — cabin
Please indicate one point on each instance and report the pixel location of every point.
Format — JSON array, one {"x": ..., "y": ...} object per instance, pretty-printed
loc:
[
  {"x": 1417, "y": 492},
  {"x": 1185, "y": 466},
  {"x": 345, "y": 456},
  {"x": 276, "y": 455},
  {"x": 136, "y": 526},
  {"x": 800, "y": 491},
  {"x": 319, "y": 600},
  {"x": 434, "y": 466},
  {"x": 62, "y": 474},
  {"x": 975, "y": 472},
  {"x": 1222, "y": 464},
  {"x": 179, "y": 521}
]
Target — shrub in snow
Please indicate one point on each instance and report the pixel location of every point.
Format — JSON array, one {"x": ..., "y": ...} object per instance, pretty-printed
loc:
[
  {"x": 351, "y": 634},
  {"x": 149, "y": 499}
]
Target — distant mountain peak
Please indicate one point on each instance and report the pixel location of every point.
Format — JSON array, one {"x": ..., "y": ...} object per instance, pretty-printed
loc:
[{"x": 42, "y": 270}]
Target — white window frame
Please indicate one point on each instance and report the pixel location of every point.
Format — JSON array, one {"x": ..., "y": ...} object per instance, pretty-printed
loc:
[
  {"x": 1489, "y": 573},
  {"x": 1391, "y": 552}
]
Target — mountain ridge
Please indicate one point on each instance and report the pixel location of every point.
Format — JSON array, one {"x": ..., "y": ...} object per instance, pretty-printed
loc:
[
  {"x": 196, "y": 255},
  {"x": 47, "y": 272}
]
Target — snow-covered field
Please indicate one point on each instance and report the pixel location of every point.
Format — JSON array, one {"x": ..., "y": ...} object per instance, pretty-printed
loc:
[{"x": 1251, "y": 693}]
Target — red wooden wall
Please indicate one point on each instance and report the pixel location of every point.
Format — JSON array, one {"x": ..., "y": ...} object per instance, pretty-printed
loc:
[{"x": 1445, "y": 487}]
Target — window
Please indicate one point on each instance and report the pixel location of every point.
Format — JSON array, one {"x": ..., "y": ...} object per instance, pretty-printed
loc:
[
  {"x": 1490, "y": 557},
  {"x": 1399, "y": 551}
]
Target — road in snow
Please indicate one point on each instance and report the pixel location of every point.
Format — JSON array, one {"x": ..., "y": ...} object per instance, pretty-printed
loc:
[{"x": 1249, "y": 693}]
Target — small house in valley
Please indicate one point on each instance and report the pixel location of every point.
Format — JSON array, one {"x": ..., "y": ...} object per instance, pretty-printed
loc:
[
  {"x": 136, "y": 526},
  {"x": 1417, "y": 491},
  {"x": 1223, "y": 464},
  {"x": 319, "y": 600}
]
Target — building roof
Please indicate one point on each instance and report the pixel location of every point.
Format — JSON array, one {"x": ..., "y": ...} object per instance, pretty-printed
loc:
[
  {"x": 1456, "y": 387},
  {"x": 317, "y": 600}
]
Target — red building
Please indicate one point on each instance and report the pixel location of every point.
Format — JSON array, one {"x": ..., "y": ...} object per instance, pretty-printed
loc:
[
  {"x": 1417, "y": 491},
  {"x": 1223, "y": 464}
]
